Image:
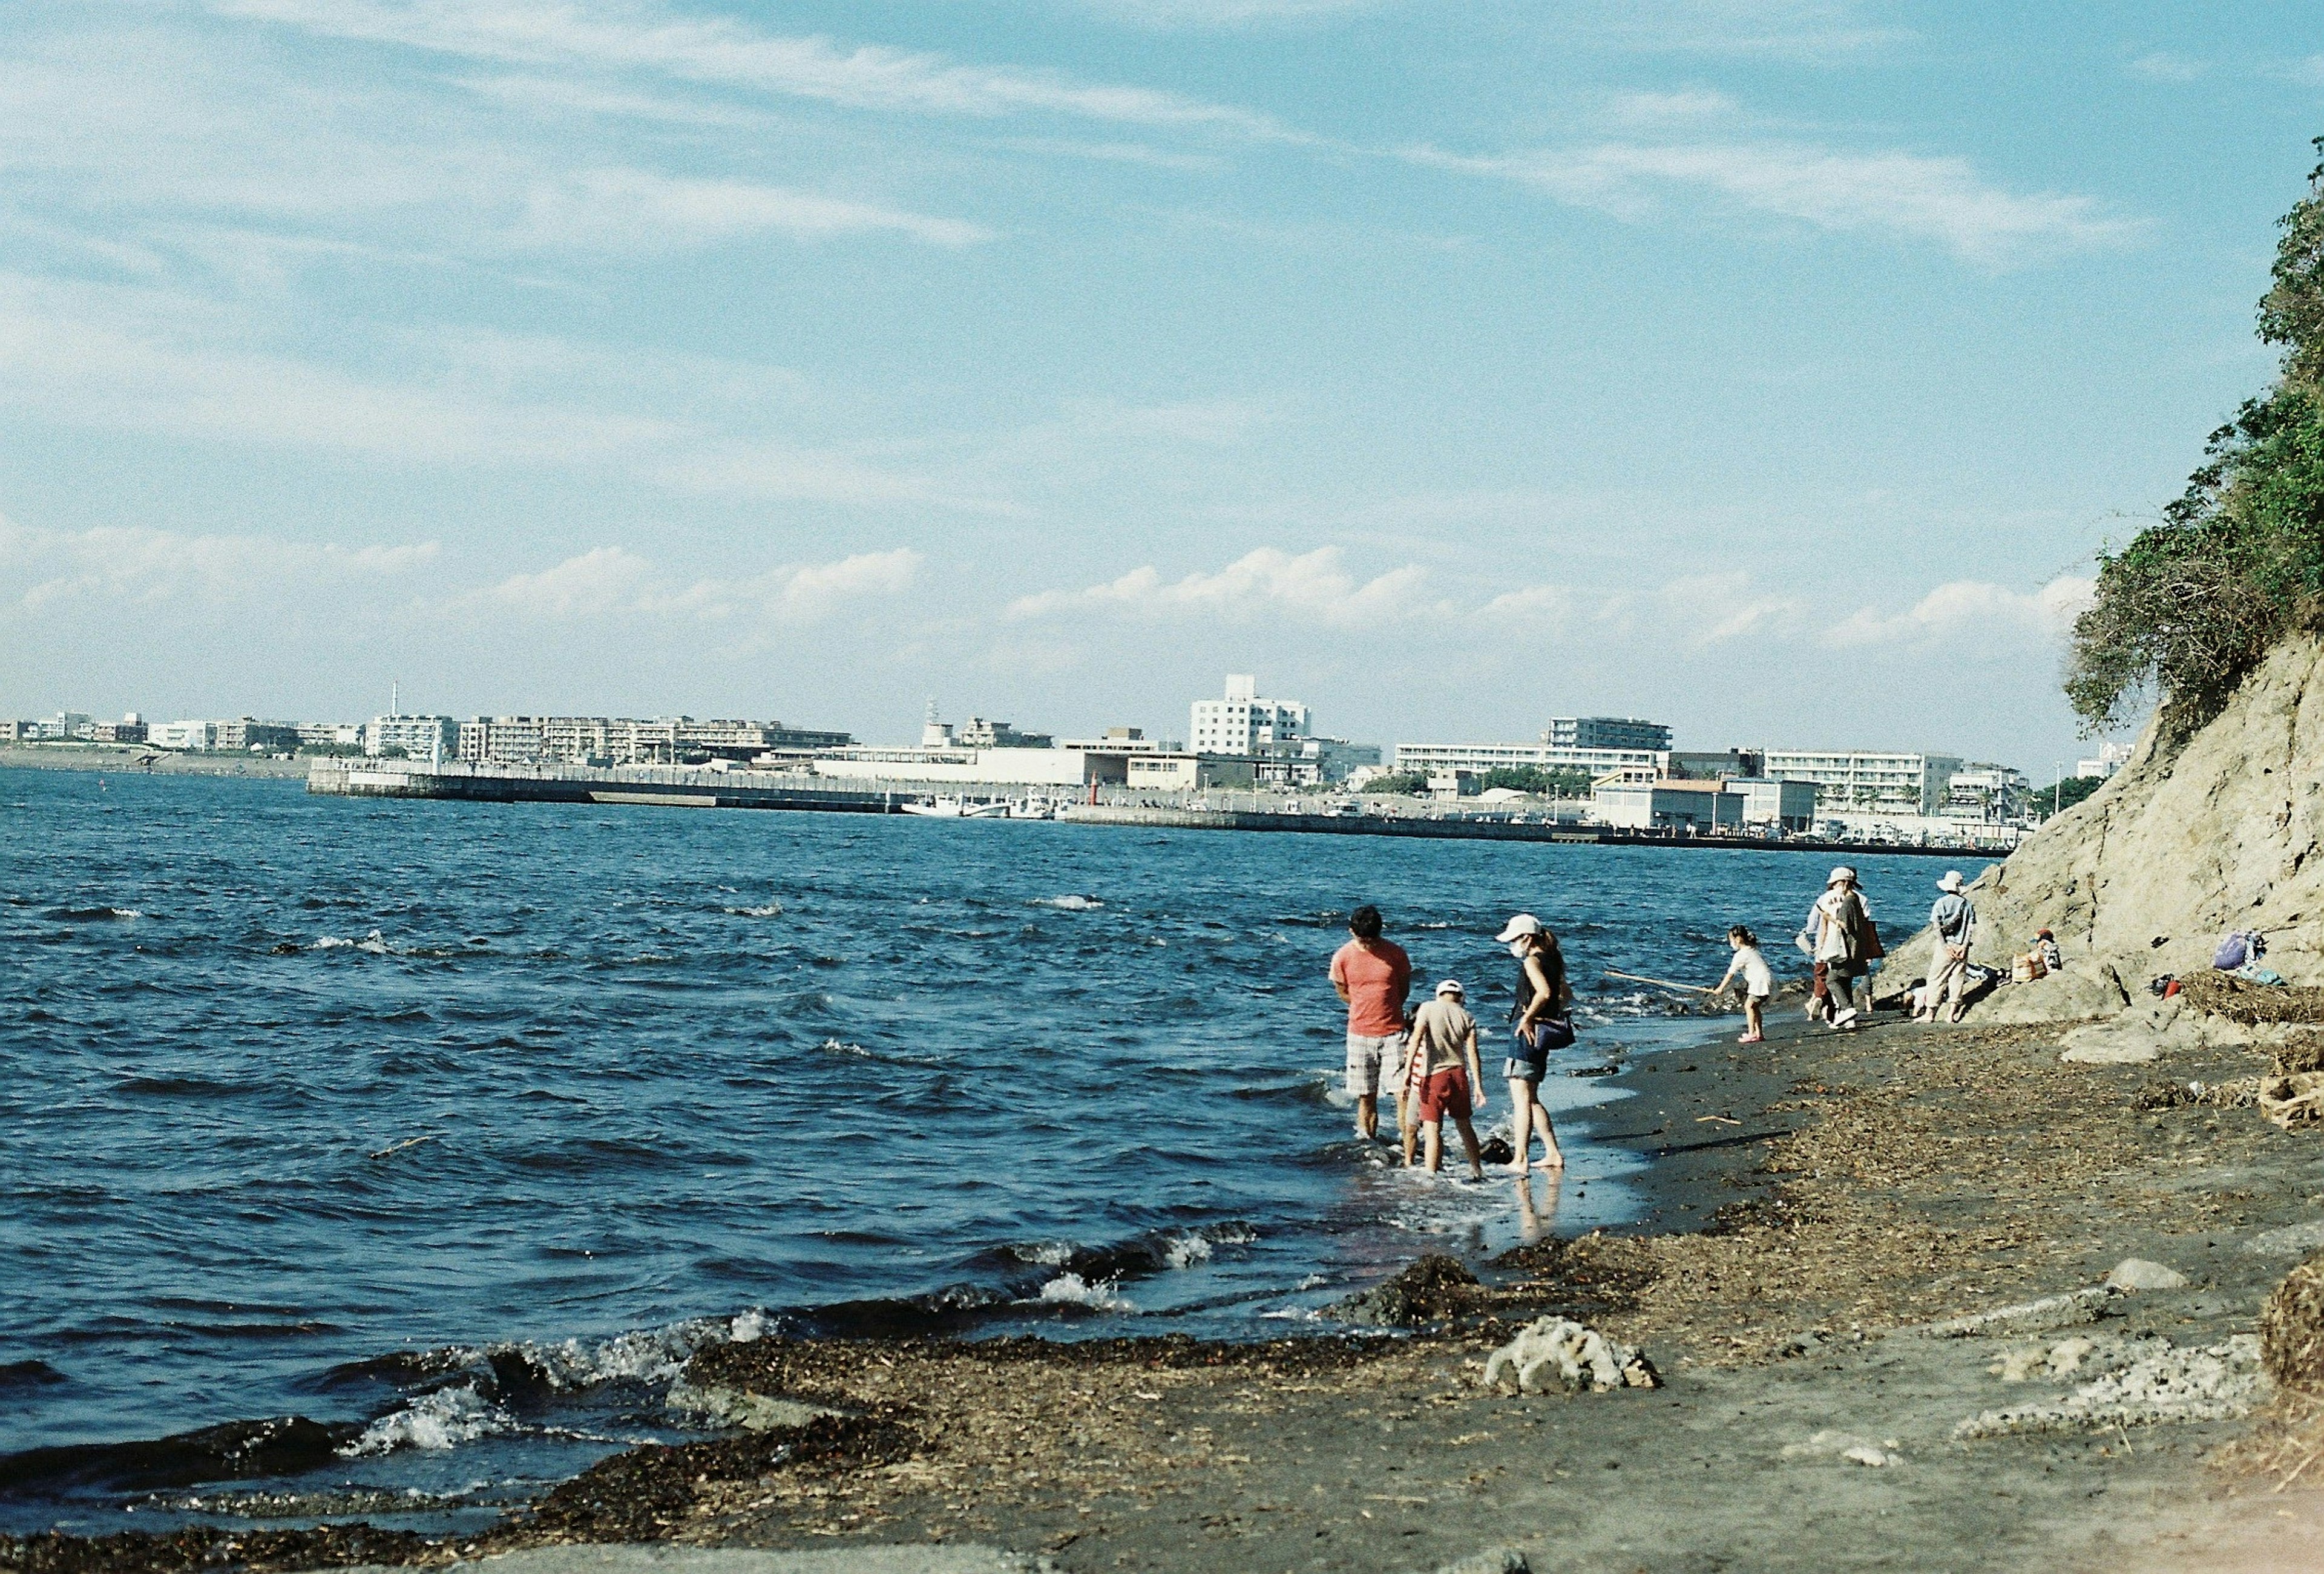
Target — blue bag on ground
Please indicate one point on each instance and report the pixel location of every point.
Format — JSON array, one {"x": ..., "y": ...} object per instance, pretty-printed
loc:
[{"x": 2245, "y": 945}]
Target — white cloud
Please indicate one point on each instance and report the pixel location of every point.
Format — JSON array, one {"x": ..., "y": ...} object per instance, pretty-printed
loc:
[
  {"x": 1975, "y": 610},
  {"x": 642, "y": 37},
  {"x": 616, "y": 582},
  {"x": 1816, "y": 30},
  {"x": 160, "y": 362},
  {"x": 635, "y": 210},
  {"x": 2163, "y": 66},
  {"x": 1208, "y": 422},
  {"x": 1312, "y": 586},
  {"x": 1661, "y": 109},
  {"x": 1907, "y": 194},
  {"x": 1547, "y": 606},
  {"x": 1163, "y": 14},
  {"x": 146, "y": 569}
]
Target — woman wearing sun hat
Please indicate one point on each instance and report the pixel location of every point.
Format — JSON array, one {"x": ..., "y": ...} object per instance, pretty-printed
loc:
[
  {"x": 1952, "y": 918},
  {"x": 1840, "y": 915},
  {"x": 1543, "y": 1014}
]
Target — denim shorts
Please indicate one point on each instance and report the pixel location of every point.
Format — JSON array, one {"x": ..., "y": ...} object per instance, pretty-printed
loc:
[{"x": 1529, "y": 1064}]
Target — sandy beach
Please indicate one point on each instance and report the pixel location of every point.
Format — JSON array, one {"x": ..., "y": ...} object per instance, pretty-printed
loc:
[{"x": 1818, "y": 1204}]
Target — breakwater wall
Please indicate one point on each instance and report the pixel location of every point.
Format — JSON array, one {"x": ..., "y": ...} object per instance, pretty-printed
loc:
[
  {"x": 492, "y": 783},
  {"x": 668, "y": 786},
  {"x": 1468, "y": 828}
]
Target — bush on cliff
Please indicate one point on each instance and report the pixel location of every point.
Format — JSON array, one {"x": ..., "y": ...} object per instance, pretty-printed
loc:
[{"x": 2190, "y": 604}]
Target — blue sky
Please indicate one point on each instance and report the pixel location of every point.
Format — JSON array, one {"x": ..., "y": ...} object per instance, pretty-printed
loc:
[{"x": 1772, "y": 369}]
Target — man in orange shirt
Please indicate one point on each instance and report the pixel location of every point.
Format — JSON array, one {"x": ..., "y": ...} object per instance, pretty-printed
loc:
[{"x": 1373, "y": 976}]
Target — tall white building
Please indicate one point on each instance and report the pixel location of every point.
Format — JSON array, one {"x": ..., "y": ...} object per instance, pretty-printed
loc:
[
  {"x": 432, "y": 738},
  {"x": 1242, "y": 721},
  {"x": 1868, "y": 781}
]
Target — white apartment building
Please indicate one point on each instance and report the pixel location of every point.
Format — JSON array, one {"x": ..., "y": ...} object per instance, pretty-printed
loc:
[
  {"x": 1992, "y": 793},
  {"x": 1242, "y": 721},
  {"x": 432, "y": 738},
  {"x": 1431, "y": 758},
  {"x": 1868, "y": 781},
  {"x": 181, "y": 735},
  {"x": 516, "y": 739},
  {"x": 1627, "y": 732},
  {"x": 2111, "y": 756}
]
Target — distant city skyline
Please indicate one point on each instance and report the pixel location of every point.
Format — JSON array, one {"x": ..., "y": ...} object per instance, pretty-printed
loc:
[{"x": 1772, "y": 368}]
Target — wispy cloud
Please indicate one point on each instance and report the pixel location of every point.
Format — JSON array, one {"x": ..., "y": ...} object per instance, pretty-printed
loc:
[
  {"x": 643, "y": 37},
  {"x": 1685, "y": 106},
  {"x": 2161, "y": 65},
  {"x": 1971, "y": 609},
  {"x": 607, "y": 582},
  {"x": 1310, "y": 586},
  {"x": 1811, "y": 31},
  {"x": 635, "y": 210},
  {"x": 54, "y": 571},
  {"x": 1904, "y": 195},
  {"x": 1163, "y": 15},
  {"x": 156, "y": 361}
]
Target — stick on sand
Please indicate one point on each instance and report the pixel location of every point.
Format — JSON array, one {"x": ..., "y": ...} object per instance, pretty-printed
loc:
[{"x": 1662, "y": 983}]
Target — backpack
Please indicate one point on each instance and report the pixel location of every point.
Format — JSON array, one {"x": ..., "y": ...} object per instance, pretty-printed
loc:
[{"x": 2243, "y": 946}]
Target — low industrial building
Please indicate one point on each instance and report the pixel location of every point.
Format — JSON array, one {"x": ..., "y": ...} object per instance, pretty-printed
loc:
[
  {"x": 1668, "y": 804},
  {"x": 1775, "y": 805}
]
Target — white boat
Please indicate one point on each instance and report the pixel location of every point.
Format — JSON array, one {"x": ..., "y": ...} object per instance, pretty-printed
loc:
[
  {"x": 1032, "y": 809},
  {"x": 945, "y": 807}
]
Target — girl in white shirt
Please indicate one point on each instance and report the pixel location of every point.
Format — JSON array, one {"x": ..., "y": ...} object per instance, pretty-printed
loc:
[{"x": 1758, "y": 981}]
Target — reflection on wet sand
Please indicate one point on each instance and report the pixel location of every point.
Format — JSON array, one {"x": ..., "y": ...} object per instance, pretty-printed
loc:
[{"x": 1532, "y": 1217}]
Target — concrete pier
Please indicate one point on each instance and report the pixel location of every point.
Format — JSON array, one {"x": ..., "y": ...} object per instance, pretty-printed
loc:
[
  {"x": 667, "y": 786},
  {"x": 494, "y": 783},
  {"x": 1466, "y": 828}
]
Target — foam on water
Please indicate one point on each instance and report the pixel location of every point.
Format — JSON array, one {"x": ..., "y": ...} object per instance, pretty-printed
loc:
[
  {"x": 1073, "y": 1290},
  {"x": 435, "y": 1422}
]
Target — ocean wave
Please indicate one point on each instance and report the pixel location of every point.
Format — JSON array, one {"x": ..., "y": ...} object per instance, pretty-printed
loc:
[
  {"x": 278, "y": 1446},
  {"x": 371, "y": 944},
  {"x": 1069, "y": 903},
  {"x": 90, "y": 915},
  {"x": 1073, "y": 1290},
  {"x": 435, "y": 1422},
  {"x": 30, "y": 1374},
  {"x": 1163, "y": 1251},
  {"x": 771, "y": 910},
  {"x": 651, "y": 1355}
]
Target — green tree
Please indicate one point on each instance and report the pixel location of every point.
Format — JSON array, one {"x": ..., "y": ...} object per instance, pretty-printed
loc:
[
  {"x": 2190, "y": 604},
  {"x": 1400, "y": 781},
  {"x": 1534, "y": 778}
]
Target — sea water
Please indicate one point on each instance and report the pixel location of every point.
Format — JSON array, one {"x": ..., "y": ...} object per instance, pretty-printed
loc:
[{"x": 452, "y": 1129}]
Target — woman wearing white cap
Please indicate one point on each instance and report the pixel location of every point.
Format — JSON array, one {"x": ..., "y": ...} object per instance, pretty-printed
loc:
[
  {"x": 1952, "y": 918},
  {"x": 1840, "y": 914},
  {"x": 1543, "y": 1022}
]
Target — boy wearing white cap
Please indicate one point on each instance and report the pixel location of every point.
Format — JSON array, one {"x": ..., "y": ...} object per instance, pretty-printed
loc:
[{"x": 1442, "y": 1070}]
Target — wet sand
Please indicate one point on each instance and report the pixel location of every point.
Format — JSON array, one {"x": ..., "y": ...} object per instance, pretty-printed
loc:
[{"x": 1870, "y": 1184}]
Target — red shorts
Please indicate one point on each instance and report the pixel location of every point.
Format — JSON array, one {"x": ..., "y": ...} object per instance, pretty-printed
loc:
[{"x": 1446, "y": 1093}]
